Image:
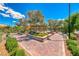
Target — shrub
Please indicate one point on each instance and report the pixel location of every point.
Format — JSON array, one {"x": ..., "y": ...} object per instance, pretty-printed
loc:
[
  {"x": 20, "y": 52},
  {"x": 12, "y": 47},
  {"x": 13, "y": 52},
  {"x": 71, "y": 42},
  {"x": 72, "y": 46},
  {"x": 17, "y": 52},
  {"x": 75, "y": 51},
  {"x": 72, "y": 36},
  {"x": 11, "y": 43}
]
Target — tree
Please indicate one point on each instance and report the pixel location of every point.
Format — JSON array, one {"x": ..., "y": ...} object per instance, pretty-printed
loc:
[
  {"x": 21, "y": 25},
  {"x": 55, "y": 25},
  {"x": 74, "y": 22},
  {"x": 36, "y": 20}
]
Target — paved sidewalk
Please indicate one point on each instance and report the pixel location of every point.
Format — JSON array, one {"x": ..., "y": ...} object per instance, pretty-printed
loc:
[{"x": 53, "y": 47}]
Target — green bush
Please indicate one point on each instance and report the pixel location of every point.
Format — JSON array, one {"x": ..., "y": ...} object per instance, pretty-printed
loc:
[
  {"x": 20, "y": 52},
  {"x": 13, "y": 52},
  {"x": 72, "y": 46},
  {"x": 71, "y": 42},
  {"x": 73, "y": 36},
  {"x": 11, "y": 43},
  {"x": 75, "y": 51},
  {"x": 12, "y": 47},
  {"x": 17, "y": 52}
]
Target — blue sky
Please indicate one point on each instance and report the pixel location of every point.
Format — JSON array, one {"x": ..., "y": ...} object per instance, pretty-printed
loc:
[
  {"x": 49, "y": 10},
  {"x": 74, "y": 7}
]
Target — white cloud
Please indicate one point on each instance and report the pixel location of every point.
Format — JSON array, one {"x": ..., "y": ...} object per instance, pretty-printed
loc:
[
  {"x": 5, "y": 15},
  {"x": 15, "y": 14},
  {"x": 2, "y": 7},
  {"x": 10, "y": 12}
]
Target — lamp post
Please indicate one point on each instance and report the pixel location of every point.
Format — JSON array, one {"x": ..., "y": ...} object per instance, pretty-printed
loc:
[{"x": 69, "y": 28}]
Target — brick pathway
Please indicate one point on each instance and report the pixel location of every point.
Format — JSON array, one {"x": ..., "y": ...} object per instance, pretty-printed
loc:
[{"x": 53, "y": 47}]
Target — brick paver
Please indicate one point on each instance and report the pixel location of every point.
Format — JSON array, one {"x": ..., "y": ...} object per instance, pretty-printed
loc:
[{"x": 53, "y": 47}]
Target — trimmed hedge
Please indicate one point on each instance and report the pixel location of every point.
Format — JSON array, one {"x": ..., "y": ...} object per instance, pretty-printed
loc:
[{"x": 11, "y": 43}]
